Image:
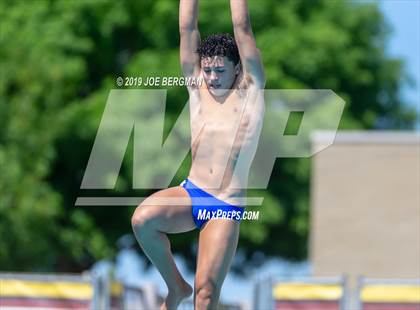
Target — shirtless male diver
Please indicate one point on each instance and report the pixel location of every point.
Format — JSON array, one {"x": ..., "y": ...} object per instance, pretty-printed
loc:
[{"x": 226, "y": 115}]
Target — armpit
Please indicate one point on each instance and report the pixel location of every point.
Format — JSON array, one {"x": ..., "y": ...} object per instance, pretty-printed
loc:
[{"x": 244, "y": 84}]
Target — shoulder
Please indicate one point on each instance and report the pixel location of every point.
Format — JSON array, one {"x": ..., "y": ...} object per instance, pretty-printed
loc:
[{"x": 195, "y": 84}]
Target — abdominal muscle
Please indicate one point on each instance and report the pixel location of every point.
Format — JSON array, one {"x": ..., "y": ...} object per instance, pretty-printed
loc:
[{"x": 224, "y": 140}]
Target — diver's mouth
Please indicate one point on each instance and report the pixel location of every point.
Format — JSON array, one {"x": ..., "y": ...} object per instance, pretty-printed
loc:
[{"x": 215, "y": 86}]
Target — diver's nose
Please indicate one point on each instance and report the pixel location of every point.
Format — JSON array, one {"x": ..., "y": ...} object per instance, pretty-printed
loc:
[{"x": 213, "y": 76}]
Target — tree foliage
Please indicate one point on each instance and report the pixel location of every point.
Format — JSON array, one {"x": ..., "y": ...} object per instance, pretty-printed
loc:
[{"x": 58, "y": 61}]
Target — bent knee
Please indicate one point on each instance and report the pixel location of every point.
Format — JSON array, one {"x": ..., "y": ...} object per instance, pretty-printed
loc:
[
  {"x": 206, "y": 293},
  {"x": 143, "y": 217}
]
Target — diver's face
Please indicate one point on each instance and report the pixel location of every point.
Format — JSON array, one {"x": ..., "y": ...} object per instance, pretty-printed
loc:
[{"x": 219, "y": 74}]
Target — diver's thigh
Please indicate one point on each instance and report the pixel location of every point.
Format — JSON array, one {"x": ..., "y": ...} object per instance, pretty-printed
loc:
[{"x": 168, "y": 210}]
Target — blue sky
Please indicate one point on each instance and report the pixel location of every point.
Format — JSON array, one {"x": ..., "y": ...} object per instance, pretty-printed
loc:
[{"x": 404, "y": 42}]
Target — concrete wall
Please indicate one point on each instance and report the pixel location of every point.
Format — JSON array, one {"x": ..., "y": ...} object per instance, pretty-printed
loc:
[{"x": 365, "y": 205}]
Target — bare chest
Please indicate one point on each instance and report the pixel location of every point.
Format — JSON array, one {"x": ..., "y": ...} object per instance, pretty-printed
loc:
[{"x": 220, "y": 118}]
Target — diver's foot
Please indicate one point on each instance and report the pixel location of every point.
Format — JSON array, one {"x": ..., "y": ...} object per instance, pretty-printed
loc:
[{"x": 175, "y": 296}]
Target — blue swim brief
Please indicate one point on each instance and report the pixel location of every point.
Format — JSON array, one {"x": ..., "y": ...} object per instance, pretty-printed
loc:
[{"x": 206, "y": 206}]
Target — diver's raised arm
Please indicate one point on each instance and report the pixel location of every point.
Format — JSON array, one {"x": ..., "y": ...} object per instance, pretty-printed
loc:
[
  {"x": 189, "y": 37},
  {"x": 248, "y": 51}
]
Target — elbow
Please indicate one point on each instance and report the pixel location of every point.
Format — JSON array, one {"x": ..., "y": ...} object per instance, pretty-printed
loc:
[
  {"x": 187, "y": 28},
  {"x": 242, "y": 24},
  {"x": 242, "y": 27}
]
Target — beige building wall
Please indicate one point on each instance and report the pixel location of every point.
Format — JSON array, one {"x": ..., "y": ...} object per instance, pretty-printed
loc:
[{"x": 365, "y": 205}]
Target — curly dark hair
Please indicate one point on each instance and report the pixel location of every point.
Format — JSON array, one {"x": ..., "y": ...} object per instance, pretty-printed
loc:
[{"x": 222, "y": 44}]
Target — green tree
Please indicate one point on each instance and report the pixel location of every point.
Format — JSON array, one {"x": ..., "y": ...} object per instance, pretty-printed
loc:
[{"x": 58, "y": 61}]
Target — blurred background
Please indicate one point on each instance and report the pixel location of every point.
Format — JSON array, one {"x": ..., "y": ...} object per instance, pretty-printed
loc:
[{"x": 60, "y": 59}]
